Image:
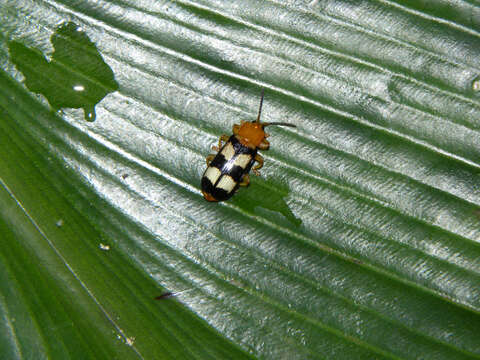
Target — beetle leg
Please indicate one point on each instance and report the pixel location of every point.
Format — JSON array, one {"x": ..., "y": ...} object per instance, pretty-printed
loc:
[
  {"x": 210, "y": 158},
  {"x": 264, "y": 145},
  {"x": 245, "y": 180},
  {"x": 235, "y": 129},
  {"x": 259, "y": 159},
  {"x": 223, "y": 138}
]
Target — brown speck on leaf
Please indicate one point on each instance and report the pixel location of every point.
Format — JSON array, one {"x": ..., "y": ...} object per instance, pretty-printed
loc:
[{"x": 166, "y": 295}]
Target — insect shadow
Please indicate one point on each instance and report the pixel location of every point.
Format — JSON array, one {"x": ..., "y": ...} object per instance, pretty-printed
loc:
[{"x": 268, "y": 199}]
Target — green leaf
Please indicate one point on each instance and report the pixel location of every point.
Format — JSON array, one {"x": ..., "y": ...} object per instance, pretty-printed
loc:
[{"x": 360, "y": 239}]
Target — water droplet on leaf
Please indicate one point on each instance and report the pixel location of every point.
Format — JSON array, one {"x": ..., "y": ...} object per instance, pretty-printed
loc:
[
  {"x": 90, "y": 114},
  {"x": 476, "y": 84}
]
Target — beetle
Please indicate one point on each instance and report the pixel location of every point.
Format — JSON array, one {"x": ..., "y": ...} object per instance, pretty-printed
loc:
[{"x": 230, "y": 167}]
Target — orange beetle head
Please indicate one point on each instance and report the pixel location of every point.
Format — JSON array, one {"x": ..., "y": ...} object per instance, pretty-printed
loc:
[{"x": 251, "y": 133}]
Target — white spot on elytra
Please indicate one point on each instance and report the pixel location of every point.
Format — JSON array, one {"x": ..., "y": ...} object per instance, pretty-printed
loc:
[
  {"x": 226, "y": 183},
  {"x": 212, "y": 174},
  {"x": 242, "y": 160},
  {"x": 228, "y": 151}
]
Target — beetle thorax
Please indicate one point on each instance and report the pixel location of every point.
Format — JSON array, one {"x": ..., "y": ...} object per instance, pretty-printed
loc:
[{"x": 251, "y": 134}]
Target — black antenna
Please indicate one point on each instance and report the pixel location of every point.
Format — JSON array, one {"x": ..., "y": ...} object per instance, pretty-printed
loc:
[
  {"x": 273, "y": 123},
  {"x": 279, "y": 123},
  {"x": 260, "y": 109}
]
